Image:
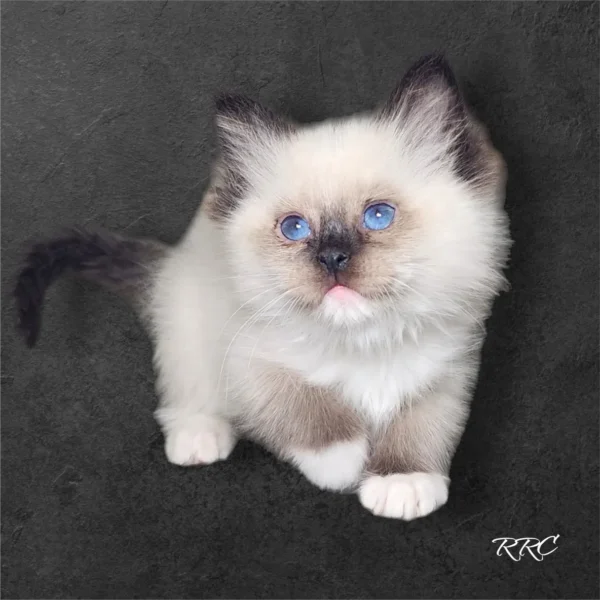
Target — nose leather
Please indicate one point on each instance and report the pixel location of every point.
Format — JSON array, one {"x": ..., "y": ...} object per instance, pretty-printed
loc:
[{"x": 334, "y": 260}]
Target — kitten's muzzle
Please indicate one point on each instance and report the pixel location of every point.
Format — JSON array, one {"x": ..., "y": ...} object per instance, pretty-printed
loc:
[{"x": 333, "y": 260}]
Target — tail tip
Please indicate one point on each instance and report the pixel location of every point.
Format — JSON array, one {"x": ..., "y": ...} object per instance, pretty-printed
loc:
[{"x": 28, "y": 310}]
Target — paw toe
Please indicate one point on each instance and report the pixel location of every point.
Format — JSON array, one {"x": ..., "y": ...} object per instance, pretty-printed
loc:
[
  {"x": 201, "y": 440},
  {"x": 404, "y": 496}
]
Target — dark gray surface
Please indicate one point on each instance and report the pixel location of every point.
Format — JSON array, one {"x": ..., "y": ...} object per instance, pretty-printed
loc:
[{"x": 107, "y": 119}]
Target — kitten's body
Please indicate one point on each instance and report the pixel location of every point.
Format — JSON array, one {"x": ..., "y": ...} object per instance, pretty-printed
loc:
[{"x": 367, "y": 387}]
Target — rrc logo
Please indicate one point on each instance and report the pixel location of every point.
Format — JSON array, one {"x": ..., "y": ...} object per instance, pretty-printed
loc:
[{"x": 515, "y": 548}]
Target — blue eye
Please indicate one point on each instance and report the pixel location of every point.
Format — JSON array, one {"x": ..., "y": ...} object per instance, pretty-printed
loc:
[
  {"x": 295, "y": 228},
  {"x": 378, "y": 216}
]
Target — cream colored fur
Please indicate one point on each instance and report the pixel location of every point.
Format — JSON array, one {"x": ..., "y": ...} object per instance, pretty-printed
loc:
[{"x": 244, "y": 335}]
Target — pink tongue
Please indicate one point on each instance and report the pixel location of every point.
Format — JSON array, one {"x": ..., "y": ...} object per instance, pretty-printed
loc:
[{"x": 342, "y": 294}]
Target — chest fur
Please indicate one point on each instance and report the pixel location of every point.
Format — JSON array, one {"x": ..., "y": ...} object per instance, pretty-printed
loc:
[
  {"x": 372, "y": 380},
  {"x": 377, "y": 384}
]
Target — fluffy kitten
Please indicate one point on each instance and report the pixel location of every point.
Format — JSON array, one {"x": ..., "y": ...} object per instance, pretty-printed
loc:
[{"x": 329, "y": 299}]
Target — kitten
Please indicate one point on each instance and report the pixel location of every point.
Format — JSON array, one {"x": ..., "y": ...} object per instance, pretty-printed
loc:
[{"x": 329, "y": 299}]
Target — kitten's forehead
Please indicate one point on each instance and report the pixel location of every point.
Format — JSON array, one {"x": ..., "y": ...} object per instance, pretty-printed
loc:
[{"x": 333, "y": 169}]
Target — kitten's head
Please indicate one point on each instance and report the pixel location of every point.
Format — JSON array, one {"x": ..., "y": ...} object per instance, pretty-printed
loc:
[{"x": 346, "y": 220}]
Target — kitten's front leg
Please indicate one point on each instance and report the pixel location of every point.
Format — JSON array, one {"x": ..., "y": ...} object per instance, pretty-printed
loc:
[
  {"x": 408, "y": 470},
  {"x": 187, "y": 317},
  {"x": 191, "y": 413}
]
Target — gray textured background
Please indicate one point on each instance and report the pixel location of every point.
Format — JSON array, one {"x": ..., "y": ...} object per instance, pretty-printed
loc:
[{"x": 107, "y": 119}]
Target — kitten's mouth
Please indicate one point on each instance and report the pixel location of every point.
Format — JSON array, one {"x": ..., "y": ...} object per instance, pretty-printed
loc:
[
  {"x": 343, "y": 294},
  {"x": 344, "y": 306}
]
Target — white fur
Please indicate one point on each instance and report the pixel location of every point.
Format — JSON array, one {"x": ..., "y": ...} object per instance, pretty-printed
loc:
[
  {"x": 191, "y": 302},
  {"x": 334, "y": 468},
  {"x": 199, "y": 440},
  {"x": 341, "y": 313},
  {"x": 218, "y": 306},
  {"x": 404, "y": 496},
  {"x": 379, "y": 380}
]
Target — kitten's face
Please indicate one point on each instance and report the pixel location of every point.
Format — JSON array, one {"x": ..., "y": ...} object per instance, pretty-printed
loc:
[{"x": 348, "y": 220}]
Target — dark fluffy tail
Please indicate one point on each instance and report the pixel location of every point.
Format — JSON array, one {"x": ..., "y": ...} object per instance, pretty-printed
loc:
[{"x": 122, "y": 264}]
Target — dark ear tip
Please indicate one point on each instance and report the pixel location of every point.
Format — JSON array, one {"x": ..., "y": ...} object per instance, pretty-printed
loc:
[
  {"x": 430, "y": 67},
  {"x": 233, "y": 104},
  {"x": 222, "y": 100},
  {"x": 433, "y": 59}
]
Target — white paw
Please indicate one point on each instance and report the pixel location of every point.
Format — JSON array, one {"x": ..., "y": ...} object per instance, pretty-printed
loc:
[
  {"x": 404, "y": 496},
  {"x": 334, "y": 468},
  {"x": 199, "y": 440}
]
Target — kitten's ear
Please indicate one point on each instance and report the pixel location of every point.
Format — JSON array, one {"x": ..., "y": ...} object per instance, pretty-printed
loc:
[
  {"x": 248, "y": 135},
  {"x": 429, "y": 109},
  {"x": 242, "y": 124},
  {"x": 429, "y": 82}
]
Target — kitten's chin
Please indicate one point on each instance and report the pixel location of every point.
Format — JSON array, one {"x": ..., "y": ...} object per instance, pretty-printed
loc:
[{"x": 343, "y": 306}]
